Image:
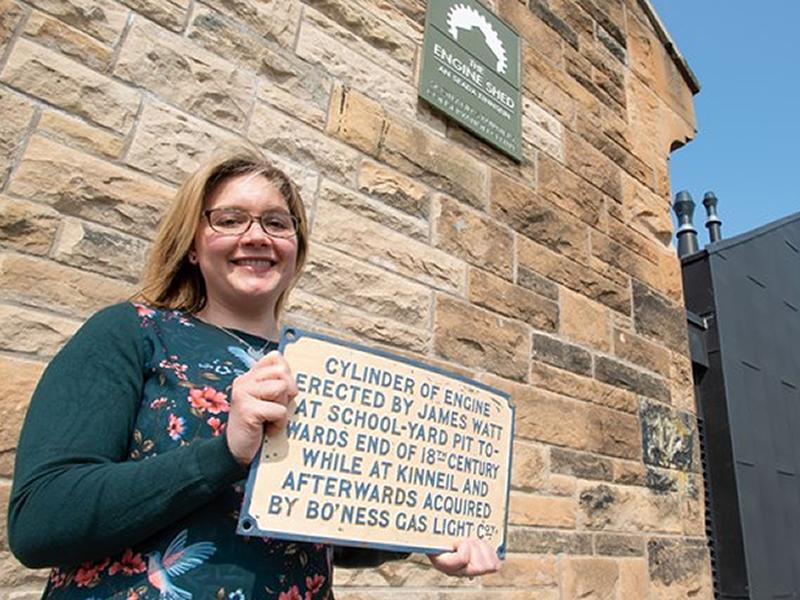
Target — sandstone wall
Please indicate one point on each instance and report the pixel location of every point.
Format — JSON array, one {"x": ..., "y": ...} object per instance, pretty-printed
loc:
[{"x": 552, "y": 279}]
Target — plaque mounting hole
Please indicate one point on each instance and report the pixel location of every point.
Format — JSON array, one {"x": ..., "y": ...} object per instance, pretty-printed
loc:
[
  {"x": 247, "y": 524},
  {"x": 290, "y": 335}
]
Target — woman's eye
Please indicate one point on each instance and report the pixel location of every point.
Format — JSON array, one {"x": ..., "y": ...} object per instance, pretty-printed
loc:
[
  {"x": 275, "y": 223},
  {"x": 230, "y": 220}
]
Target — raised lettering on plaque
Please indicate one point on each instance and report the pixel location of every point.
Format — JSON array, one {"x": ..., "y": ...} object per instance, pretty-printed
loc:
[{"x": 382, "y": 451}]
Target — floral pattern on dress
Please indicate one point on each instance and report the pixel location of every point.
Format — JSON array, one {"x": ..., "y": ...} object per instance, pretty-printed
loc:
[{"x": 186, "y": 397}]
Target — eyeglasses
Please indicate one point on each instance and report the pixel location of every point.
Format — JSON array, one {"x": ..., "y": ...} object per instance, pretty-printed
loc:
[{"x": 234, "y": 221}]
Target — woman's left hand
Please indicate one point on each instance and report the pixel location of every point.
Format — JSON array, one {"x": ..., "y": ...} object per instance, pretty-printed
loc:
[{"x": 469, "y": 558}]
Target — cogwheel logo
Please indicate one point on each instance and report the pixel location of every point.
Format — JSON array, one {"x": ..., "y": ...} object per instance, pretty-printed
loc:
[{"x": 461, "y": 17}]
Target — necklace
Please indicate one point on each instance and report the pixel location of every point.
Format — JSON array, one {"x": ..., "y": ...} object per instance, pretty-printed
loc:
[{"x": 254, "y": 353}]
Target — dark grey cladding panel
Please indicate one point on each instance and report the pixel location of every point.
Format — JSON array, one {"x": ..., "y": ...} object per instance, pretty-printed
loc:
[{"x": 756, "y": 283}]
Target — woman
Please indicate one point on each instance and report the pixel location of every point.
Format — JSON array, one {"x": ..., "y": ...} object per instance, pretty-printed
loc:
[{"x": 130, "y": 463}]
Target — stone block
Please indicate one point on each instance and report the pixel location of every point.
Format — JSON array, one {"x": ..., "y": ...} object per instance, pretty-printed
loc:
[
  {"x": 374, "y": 32},
  {"x": 360, "y": 326},
  {"x": 276, "y": 20},
  {"x": 287, "y": 83},
  {"x": 34, "y": 332},
  {"x": 536, "y": 283},
  {"x": 528, "y": 213},
  {"x": 356, "y": 120},
  {"x": 395, "y": 574},
  {"x": 172, "y": 144},
  {"x": 16, "y": 577},
  {"x": 373, "y": 76},
  {"x": 394, "y": 189},
  {"x": 584, "y": 321},
  {"x": 339, "y": 278},
  {"x": 634, "y": 581},
  {"x": 104, "y": 251},
  {"x": 668, "y": 437},
  {"x": 48, "y": 285},
  {"x": 525, "y": 571},
  {"x": 656, "y": 69},
  {"x": 678, "y": 569},
  {"x": 48, "y": 75},
  {"x": 512, "y": 301},
  {"x": 592, "y": 165},
  {"x": 682, "y": 383},
  {"x": 363, "y": 238},
  {"x": 284, "y": 136},
  {"x": 537, "y": 134},
  {"x": 628, "y": 510},
  {"x": 558, "y": 25},
  {"x": 616, "y": 544},
  {"x": 418, "y": 152},
  {"x": 19, "y": 378},
  {"x": 68, "y": 130},
  {"x": 538, "y": 84},
  {"x": 580, "y": 465},
  {"x": 644, "y": 211},
  {"x": 616, "y": 373},
  {"x": 473, "y": 237},
  {"x": 546, "y": 417},
  {"x": 630, "y": 473},
  {"x": 477, "y": 338},
  {"x": 17, "y": 116},
  {"x": 27, "y": 226},
  {"x": 641, "y": 263},
  {"x": 80, "y": 185},
  {"x": 543, "y": 261},
  {"x": 529, "y": 467},
  {"x": 102, "y": 19},
  {"x": 536, "y": 32},
  {"x": 11, "y": 14},
  {"x": 369, "y": 21},
  {"x": 661, "y": 481},
  {"x": 592, "y": 129},
  {"x": 71, "y": 42},
  {"x": 658, "y": 318},
  {"x": 372, "y": 209},
  {"x": 565, "y": 189},
  {"x": 580, "y": 387},
  {"x": 543, "y": 541},
  {"x": 635, "y": 349},
  {"x": 596, "y": 578},
  {"x": 561, "y": 354},
  {"x": 541, "y": 511},
  {"x": 171, "y": 15},
  {"x": 182, "y": 73}
]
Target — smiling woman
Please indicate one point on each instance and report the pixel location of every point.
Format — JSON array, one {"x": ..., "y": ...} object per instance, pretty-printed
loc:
[{"x": 130, "y": 464}]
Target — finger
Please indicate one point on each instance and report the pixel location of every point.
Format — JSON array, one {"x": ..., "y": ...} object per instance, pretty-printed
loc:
[
  {"x": 271, "y": 390},
  {"x": 274, "y": 365},
  {"x": 258, "y": 413}
]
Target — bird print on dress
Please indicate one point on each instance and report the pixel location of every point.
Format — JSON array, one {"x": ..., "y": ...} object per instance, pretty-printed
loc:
[{"x": 177, "y": 560}]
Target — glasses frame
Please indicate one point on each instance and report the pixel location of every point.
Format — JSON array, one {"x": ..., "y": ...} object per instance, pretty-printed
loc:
[{"x": 259, "y": 218}]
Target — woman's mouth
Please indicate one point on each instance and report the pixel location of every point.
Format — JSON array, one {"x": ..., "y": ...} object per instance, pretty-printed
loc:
[{"x": 256, "y": 263}]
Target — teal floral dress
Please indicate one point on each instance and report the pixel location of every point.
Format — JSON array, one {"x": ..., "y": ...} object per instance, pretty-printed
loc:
[{"x": 156, "y": 511}]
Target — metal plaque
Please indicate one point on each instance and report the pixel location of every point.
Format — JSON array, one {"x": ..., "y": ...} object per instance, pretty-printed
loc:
[
  {"x": 471, "y": 71},
  {"x": 381, "y": 451}
]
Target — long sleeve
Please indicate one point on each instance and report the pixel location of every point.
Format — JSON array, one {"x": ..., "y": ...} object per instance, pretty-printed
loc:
[{"x": 75, "y": 496}]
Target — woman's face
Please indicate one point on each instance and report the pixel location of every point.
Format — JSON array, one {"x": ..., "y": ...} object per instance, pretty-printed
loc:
[{"x": 252, "y": 269}]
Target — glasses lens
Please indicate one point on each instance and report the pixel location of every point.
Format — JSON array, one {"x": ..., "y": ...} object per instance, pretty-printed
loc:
[
  {"x": 229, "y": 221},
  {"x": 279, "y": 224}
]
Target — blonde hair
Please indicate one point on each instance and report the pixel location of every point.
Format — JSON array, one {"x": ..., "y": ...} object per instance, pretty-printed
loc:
[{"x": 169, "y": 279}]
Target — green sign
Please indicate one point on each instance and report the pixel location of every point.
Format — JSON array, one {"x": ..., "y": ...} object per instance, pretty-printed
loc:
[{"x": 471, "y": 71}]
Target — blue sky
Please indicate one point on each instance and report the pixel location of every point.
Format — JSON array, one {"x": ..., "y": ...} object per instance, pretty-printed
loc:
[{"x": 747, "y": 58}]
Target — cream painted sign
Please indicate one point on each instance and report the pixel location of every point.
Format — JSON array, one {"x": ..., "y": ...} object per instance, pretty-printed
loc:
[{"x": 382, "y": 451}]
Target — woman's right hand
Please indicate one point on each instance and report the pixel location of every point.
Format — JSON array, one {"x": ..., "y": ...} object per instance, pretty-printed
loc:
[{"x": 259, "y": 400}]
